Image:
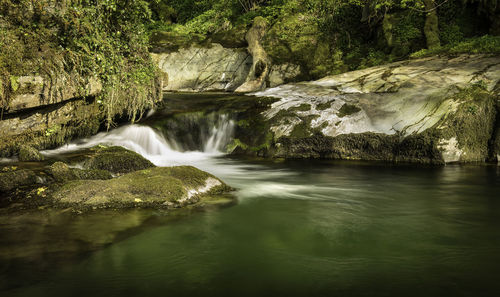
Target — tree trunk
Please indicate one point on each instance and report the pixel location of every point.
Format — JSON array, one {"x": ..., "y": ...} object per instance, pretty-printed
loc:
[{"x": 431, "y": 28}]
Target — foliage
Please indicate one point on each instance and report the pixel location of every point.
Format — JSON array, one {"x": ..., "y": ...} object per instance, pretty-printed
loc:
[
  {"x": 484, "y": 44},
  {"x": 103, "y": 39}
]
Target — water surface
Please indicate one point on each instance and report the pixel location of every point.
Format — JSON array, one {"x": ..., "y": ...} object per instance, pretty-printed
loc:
[{"x": 300, "y": 228}]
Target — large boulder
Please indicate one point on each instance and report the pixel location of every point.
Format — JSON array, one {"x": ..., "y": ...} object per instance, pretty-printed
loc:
[
  {"x": 203, "y": 68},
  {"x": 154, "y": 187},
  {"x": 434, "y": 110}
]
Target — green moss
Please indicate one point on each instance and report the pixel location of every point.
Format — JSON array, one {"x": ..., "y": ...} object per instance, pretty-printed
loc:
[
  {"x": 235, "y": 144},
  {"x": 12, "y": 180},
  {"x": 302, "y": 107},
  {"x": 297, "y": 39},
  {"x": 116, "y": 160},
  {"x": 480, "y": 45},
  {"x": 324, "y": 106},
  {"x": 154, "y": 187},
  {"x": 171, "y": 41},
  {"x": 14, "y": 84},
  {"x": 61, "y": 172},
  {"x": 472, "y": 124},
  {"x": 348, "y": 109},
  {"x": 29, "y": 154}
]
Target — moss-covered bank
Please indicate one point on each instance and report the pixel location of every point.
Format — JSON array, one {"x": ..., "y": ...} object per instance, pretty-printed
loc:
[{"x": 68, "y": 68}]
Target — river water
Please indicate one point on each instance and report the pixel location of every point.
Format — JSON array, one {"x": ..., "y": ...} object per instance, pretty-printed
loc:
[{"x": 299, "y": 228}]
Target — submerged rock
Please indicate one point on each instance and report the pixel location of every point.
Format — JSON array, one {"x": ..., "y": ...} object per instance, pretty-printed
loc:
[
  {"x": 15, "y": 179},
  {"x": 116, "y": 159},
  {"x": 29, "y": 154},
  {"x": 154, "y": 187}
]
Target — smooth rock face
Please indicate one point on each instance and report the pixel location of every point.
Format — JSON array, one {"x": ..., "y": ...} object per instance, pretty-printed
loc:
[
  {"x": 36, "y": 91},
  {"x": 216, "y": 68},
  {"x": 402, "y": 99},
  {"x": 204, "y": 68}
]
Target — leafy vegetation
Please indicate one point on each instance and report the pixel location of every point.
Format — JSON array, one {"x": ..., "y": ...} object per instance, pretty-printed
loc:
[
  {"x": 484, "y": 44},
  {"x": 333, "y": 36},
  {"x": 102, "y": 39}
]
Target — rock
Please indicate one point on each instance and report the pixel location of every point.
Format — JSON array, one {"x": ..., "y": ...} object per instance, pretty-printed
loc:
[
  {"x": 193, "y": 67},
  {"x": 61, "y": 172},
  {"x": 50, "y": 128},
  {"x": 433, "y": 110},
  {"x": 29, "y": 154},
  {"x": 296, "y": 38},
  {"x": 257, "y": 77},
  {"x": 36, "y": 91},
  {"x": 283, "y": 73},
  {"x": 201, "y": 68},
  {"x": 116, "y": 160},
  {"x": 150, "y": 187},
  {"x": 12, "y": 180}
]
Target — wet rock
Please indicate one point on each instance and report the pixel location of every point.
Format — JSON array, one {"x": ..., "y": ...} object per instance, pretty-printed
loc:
[
  {"x": 116, "y": 160},
  {"x": 154, "y": 187},
  {"x": 12, "y": 180},
  {"x": 61, "y": 172},
  {"x": 29, "y": 154},
  {"x": 433, "y": 110}
]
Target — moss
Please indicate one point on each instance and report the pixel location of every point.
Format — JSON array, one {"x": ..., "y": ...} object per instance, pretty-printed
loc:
[
  {"x": 75, "y": 120},
  {"x": 233, "y": 38},
  {"x": 348, "y": 109},
  {"x": 236, "y": 144},
  {"x": 167, "y": 42},
  {"x": 324, "y": 106},
  {"x": 12, "y": 180},
  {"x": 116, "y": 160},
  {"x": 479, "y": 45},
  {"x": 61, "y": 172},
  {"x": 302, "y": 107},
  {"x": 14, "y": 84},
  {"x": 154, "y": 187},
  {"x": 472, "y": 124},
  {"x": 297, "y": 39},
  {"x": 29, "y": 154}
]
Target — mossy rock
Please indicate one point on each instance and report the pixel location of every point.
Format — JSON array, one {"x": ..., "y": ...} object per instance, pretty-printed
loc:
[
  {"x": 154, "y": 187},
  {"x": 12, "y": 180},
  {"x": 29, "y": 154},
  {"x": 168, "y": 42},
  {"x": 234, "y": 38},
  {"x": 61, "y": 172},
  {"x": 116, "y": 160},
  {"x": 348, "y": 109}
]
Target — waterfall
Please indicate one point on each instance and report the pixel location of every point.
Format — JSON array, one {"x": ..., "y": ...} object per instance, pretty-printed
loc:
[
  {"x": 214, "y": 133},
  {"x": 220, "y": 135}
]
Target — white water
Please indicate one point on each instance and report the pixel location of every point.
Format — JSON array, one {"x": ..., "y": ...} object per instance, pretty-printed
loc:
[
  {"x": 154, "y": 146},
  {"x": 252, "y": 180}
]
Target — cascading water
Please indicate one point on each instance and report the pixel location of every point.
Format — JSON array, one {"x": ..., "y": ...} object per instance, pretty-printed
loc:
[
  {"x": 220, "y": 135},
  {"x": 215, "y": 132},
  {"x": 194, "y": 139}
]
